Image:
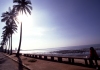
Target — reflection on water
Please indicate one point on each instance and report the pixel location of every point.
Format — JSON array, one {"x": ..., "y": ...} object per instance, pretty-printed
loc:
[
  {"x": 35, "y": 52},
  {"x": 46, "y": 52},
  {"x": 50, "y": 51}
]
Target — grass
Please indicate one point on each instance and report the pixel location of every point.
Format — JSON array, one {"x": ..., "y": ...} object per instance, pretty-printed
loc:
[
  {"x": 32, "y": 60},
  {"x": 24, "y": 58}
]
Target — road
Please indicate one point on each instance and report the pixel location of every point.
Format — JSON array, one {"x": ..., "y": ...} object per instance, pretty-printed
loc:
[{"x": 8, "y": 64}]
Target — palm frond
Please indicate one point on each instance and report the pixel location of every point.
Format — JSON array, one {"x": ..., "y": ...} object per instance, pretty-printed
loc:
[
  {"x": 25, "y": 11},
  {"x": 22, "y": 5},
  {"x": 28, "y": 2},
  {"x": 15, "y": 1},
  {"x": 28, "y": 10},
  {"x": 7, "y": 22},
  {"x": 30, "y": 7},
  {"x": 4, "y": 19}
]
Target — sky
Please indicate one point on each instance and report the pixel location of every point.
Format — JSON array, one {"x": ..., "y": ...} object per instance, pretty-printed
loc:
[{"x": 57, "y": 23}]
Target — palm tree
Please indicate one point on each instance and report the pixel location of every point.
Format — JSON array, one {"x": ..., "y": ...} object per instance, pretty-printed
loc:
[
  {"x": 3, "y": 42},
  {"x": 12, "y": 28},
  {"x": 6, "y": 32},
  {"x": 1, "y": 47},
  {"x": 9, "y": 18},
  {"x": 23, "y": 6},
  {"x": 4, "y": 37}
]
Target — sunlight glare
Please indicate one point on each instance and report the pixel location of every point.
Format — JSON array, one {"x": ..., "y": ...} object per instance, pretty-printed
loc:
[{"x": 24, "y": 18}]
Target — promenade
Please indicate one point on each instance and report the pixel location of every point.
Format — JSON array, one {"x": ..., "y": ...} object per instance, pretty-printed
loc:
[{"x": 8, "y": 64}]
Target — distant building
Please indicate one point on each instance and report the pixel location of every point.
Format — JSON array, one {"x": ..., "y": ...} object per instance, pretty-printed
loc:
[{"x": 15, "y": 49}]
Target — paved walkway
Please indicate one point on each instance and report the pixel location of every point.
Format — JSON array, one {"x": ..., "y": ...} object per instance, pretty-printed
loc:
[{"x": 7, "y": 64}]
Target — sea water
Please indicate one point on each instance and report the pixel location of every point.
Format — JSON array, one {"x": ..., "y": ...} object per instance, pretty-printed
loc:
[{"x": 50, "y": 51}]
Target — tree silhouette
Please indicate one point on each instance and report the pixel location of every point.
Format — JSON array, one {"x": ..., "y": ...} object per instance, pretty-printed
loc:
[
  {"x": 4, "y": 40},
  {"x": 5, "y": 35},
  {"x": 23, "y": 6},
  {"x": 11, "y": 27}
]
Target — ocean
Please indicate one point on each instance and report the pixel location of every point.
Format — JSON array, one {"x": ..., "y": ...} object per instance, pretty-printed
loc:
[{"x": 79, "y": 51}]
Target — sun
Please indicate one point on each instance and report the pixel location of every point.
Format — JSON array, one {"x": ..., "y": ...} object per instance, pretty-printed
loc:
[
  {"x": 24, "y": 18},
  {"x": 29, "y": 26}
]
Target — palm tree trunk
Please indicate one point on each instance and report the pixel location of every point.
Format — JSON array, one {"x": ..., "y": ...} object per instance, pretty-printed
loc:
[
  {"x": 2, "y": 48},
  {"x": 11, "y": 42},
  {"x": 11, "y": 46},
  {"x": 6, "y": 47},
  {"x": 17, "y": 54}
]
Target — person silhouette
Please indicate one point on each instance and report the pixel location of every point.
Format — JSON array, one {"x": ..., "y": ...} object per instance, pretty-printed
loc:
[{"x": 93, "y": 56}]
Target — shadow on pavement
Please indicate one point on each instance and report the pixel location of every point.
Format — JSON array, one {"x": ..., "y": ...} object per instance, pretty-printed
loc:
[
  {"x": 20, "y": 66},
  {"x": 2, "y": 60}
]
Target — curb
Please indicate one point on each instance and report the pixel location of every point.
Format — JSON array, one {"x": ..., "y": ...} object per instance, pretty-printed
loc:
[{"x": 18, "y": 62}]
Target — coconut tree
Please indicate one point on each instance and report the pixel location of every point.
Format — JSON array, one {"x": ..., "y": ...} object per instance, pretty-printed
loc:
[
  {"x": 12, "y": 28},
  {"x": 1, "y": 45},
  {"x": 8, "y": 31},
  {"x": 9, "y": 17},
  {"x": 1, "y": 48},
  {"x": 4, "y": 41},
  {"x": 5, "y": 36},
  {"x": 23, "y": 6}
]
